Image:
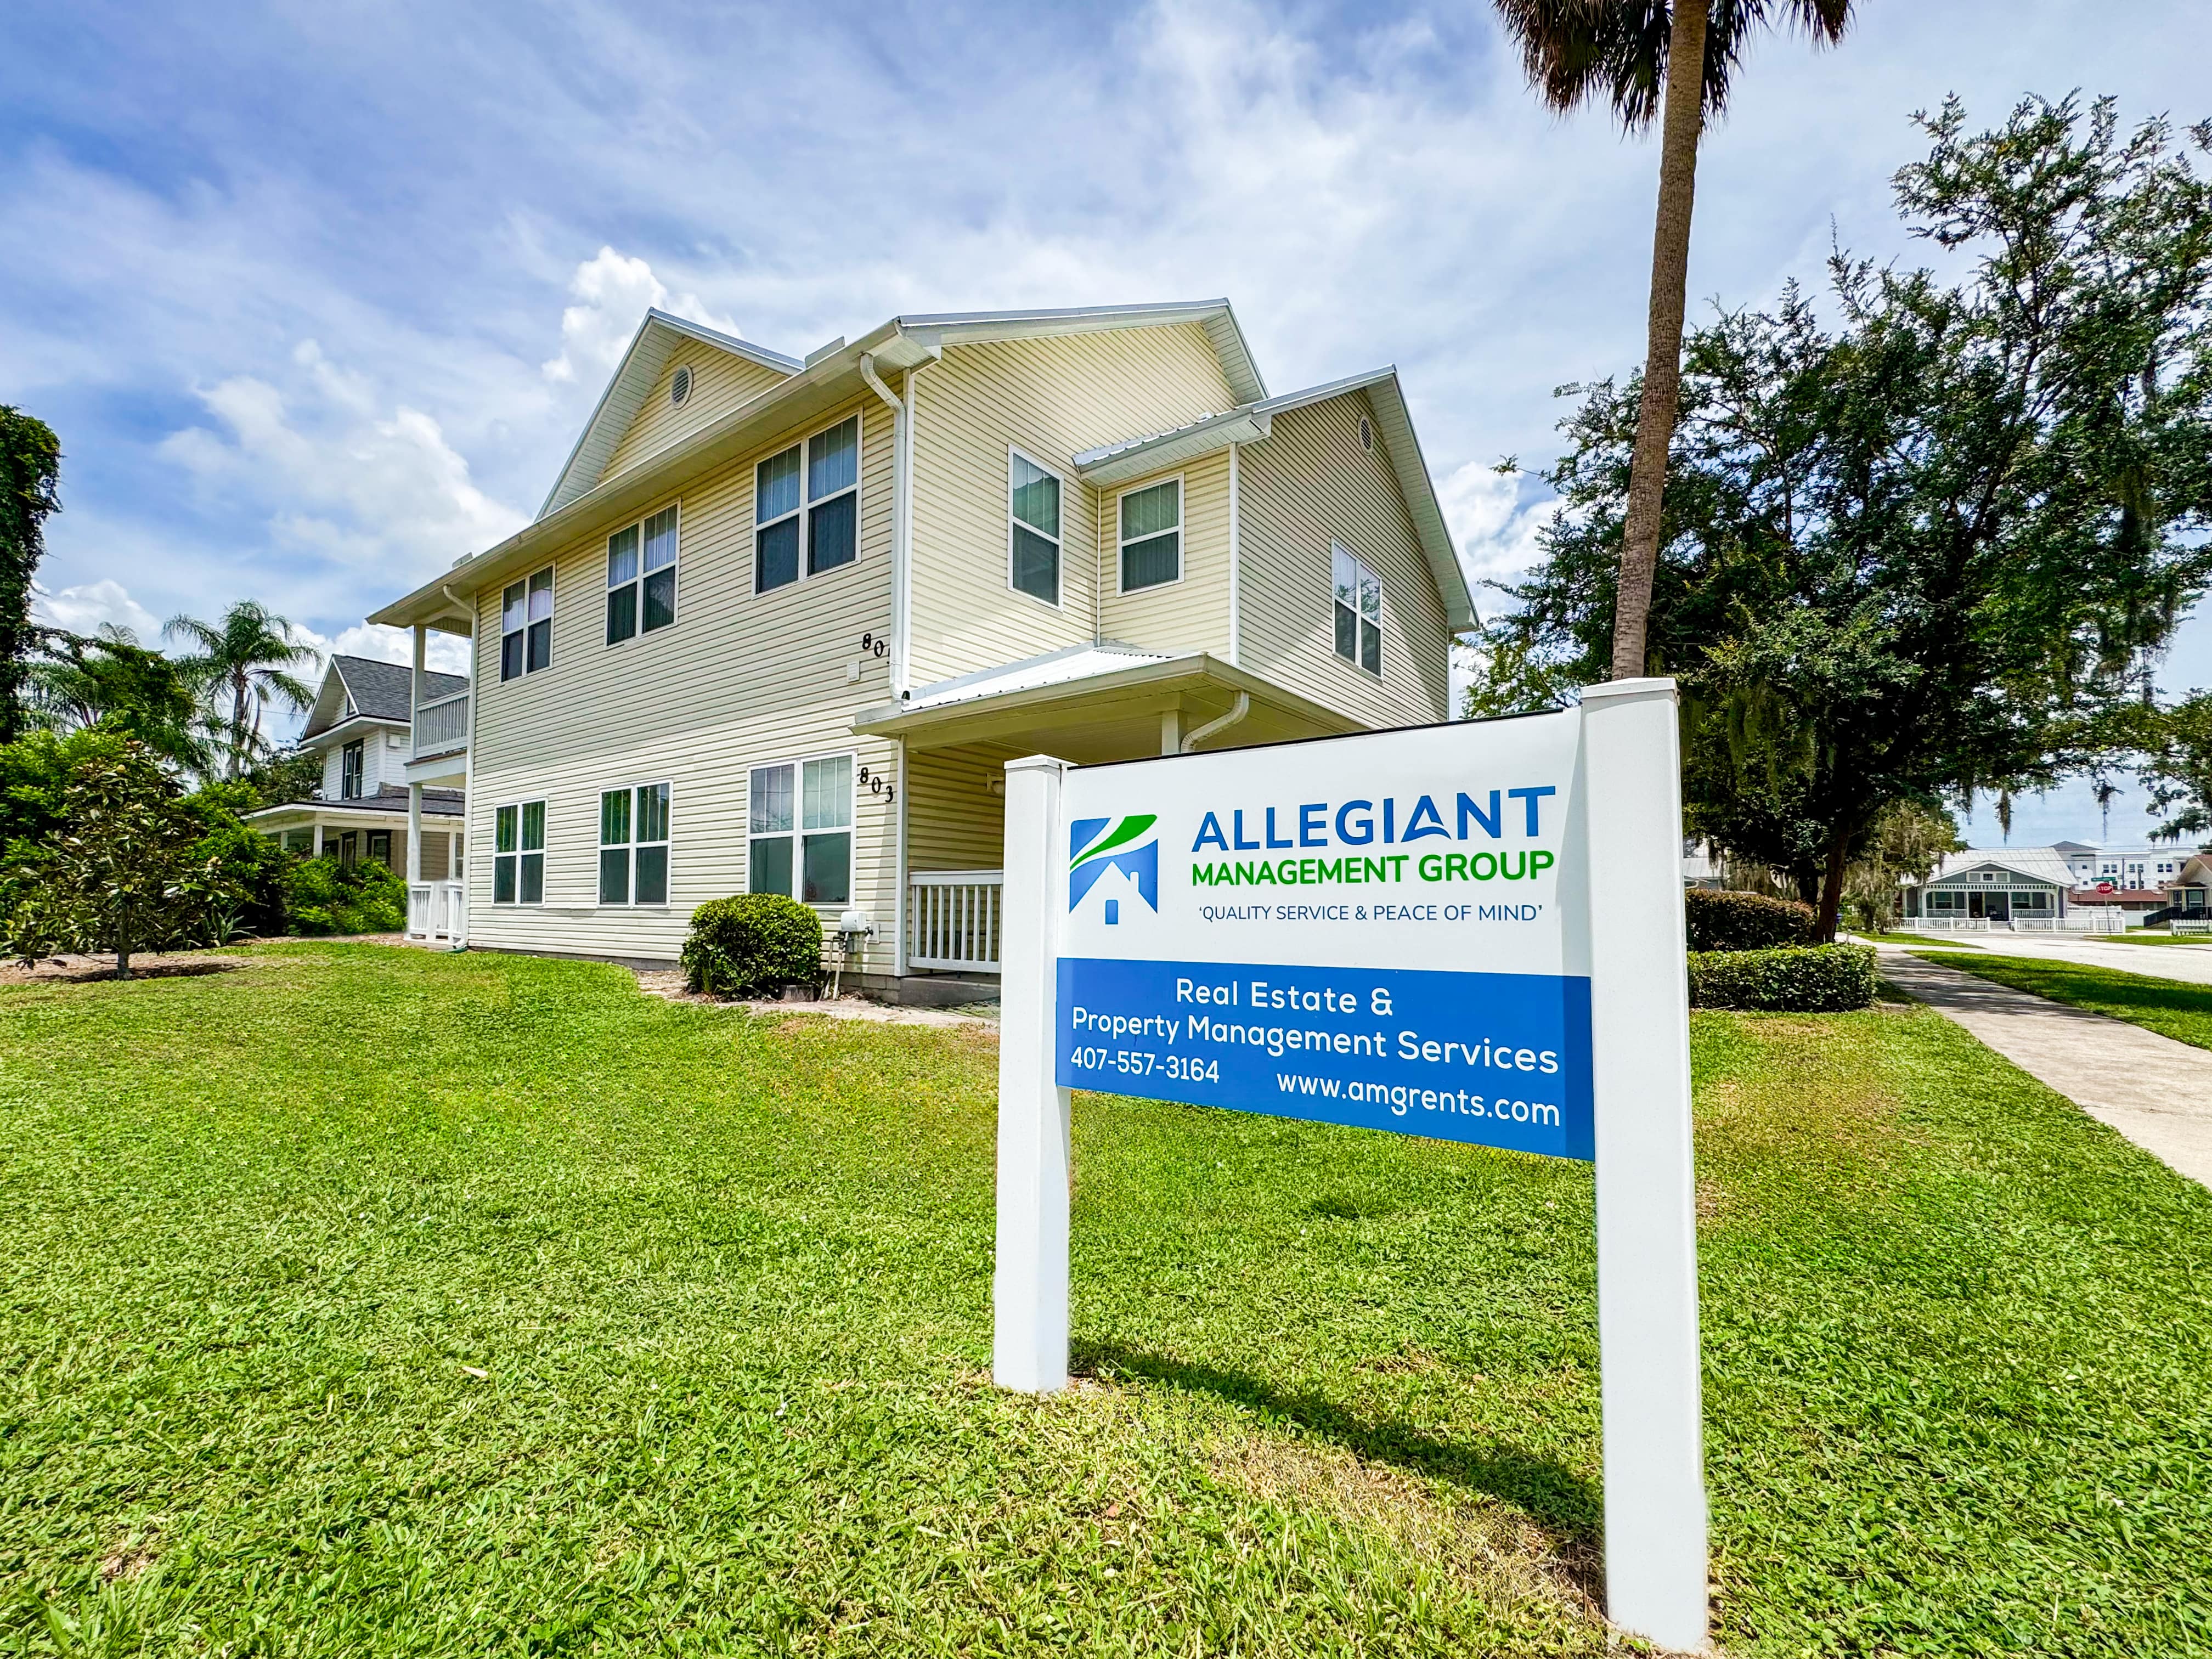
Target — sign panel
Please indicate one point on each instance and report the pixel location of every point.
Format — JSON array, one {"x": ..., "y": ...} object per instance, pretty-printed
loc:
[{"x": 1380, "y": 931}]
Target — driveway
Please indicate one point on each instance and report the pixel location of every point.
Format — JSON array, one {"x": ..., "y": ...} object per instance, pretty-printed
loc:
[
  {"x": 2190, "y": 963},
  {"x": 2155, "y": 1091}
]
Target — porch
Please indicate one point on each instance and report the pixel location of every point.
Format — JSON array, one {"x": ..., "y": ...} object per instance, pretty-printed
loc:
[{"x": 1091, "y": 705}]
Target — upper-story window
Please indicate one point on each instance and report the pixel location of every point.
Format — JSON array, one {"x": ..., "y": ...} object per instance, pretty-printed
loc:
[
  {"x": 1152, "y": 536},
  {"x": 642, "y": 576},
  {"x": 807, "y": 506},
  {"x": 1033, "y": 528},
  {"x": 525, "y": 626},
  {"x": 1357, "y": 598},
  {"x": 350, "y": 771},
  {"x": 634, "y": 845},
  {"x": 518, "y": 858}
]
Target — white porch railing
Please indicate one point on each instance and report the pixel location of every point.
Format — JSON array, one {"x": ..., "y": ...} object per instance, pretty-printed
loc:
[
  {"x": 442, "y": 727},
  {"x": 952, "y": 920},
  {"x": 438, "y": 911},
  {"x": 2074, "y": 921}
]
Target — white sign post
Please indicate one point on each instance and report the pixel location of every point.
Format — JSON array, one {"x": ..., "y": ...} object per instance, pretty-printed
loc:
[{"x": 1471, "y": 932}]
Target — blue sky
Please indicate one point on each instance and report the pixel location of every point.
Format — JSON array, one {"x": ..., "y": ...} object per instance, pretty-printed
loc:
[{"x": 318, "y": 295}]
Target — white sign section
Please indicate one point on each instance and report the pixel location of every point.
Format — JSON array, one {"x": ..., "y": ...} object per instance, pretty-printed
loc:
[
  {"x": 1469, "y": 932},
  {"x": 1379, "y": 931}
]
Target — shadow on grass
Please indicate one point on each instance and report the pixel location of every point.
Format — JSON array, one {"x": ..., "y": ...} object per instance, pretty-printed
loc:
[{"x": 1555, "y": 1497}]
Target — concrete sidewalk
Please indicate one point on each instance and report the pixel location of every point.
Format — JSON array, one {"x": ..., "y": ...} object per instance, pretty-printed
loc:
[
  {"x": 2190, "y": 963},
  {"x": 2155, "y": 1091}
]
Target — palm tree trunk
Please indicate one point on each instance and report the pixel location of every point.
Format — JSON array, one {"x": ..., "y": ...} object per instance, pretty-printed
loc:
[
  {"x": 1684, "y": 120},
  {"x": 238, "y": 713}
]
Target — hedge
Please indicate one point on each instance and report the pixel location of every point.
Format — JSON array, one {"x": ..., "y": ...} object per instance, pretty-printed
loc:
[
  {"x": 1731, "y": 920},
  {"x": 1814, "y": 979},
  {"x": 752, "y": 945}
]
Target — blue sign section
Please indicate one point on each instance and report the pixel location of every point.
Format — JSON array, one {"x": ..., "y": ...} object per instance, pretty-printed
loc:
[{"x": 1501, "y": 1059}]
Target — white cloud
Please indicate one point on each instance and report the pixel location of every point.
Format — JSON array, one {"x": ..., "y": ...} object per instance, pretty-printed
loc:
[
  {"x": 612, "y": 294},
  {"x": 343, "y": 478},
  {"x": 83, "y": 607},
  {"x": 448, "y": 654},
  {"x": 1497, "y": 535}
]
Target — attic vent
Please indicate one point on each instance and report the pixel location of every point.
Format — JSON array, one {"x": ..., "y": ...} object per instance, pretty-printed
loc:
[
  {"x": 680, "y": 387},
  {"x": 1367, "y": 434}
]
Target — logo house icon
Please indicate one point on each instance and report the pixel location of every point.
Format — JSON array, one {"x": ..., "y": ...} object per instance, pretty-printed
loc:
[{"x": 1097, "y": 845}]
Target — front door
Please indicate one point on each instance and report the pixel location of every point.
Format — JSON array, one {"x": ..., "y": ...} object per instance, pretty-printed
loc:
[{"x": 1999, "y": 907}]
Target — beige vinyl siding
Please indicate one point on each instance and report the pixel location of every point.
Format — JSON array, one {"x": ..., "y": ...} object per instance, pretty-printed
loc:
[
  {"x": 720, "y": 381},
  {"x": 1051, "y": 398},
  {"x": 954, "y": 820},
  {"x": 1190, "y": 615},
  {"x": 1309, "y": 481},
  {"x": 740, "y": 680}
]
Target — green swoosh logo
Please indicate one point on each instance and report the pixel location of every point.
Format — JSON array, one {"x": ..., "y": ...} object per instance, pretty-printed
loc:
[{"x": 1129, "y": 830}]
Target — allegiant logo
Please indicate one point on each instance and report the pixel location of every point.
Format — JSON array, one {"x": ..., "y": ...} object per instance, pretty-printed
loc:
[
  {"x": 1357, "y": 823},
  {"x": 1097, "y": 845}
]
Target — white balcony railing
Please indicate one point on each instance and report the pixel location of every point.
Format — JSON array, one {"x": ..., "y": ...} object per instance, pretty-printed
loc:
[
  {"x": 953, "y": 919},
  {"x": 438, "y": 911},
  {"x": 442, "y": 727}
]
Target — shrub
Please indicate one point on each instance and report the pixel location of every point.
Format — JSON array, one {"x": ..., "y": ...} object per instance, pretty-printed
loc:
[
  {"x": 753, "y": 945},
  {"x": 323, "y": 896},
  {"x": 1814, "y": 978},
  {"x": 1744, "y": 921}
]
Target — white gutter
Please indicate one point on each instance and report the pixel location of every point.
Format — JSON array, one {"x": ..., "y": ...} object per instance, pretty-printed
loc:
[
  {"x": 1237, "y": 711},
  {"x": 902, "y": 418}
]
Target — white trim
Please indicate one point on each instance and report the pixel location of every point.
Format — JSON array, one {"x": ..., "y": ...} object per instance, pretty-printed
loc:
[
  {"x": 550, "y": 571},
  {"x": 668, "y": 841},
  {"x": 804, "y": 511},
  {"x": 637, "y": 581},
  {"x": 1235, "y": 561},
  {"x": 898, "y": 902},
  {"x": 1059, "y": 539},
  {"x": 1181, "y": 532},
  {"x": 797, "y": 834},
  {"x": 520, "y": 851}
]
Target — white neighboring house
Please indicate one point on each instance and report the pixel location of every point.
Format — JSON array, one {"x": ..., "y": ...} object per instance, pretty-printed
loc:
[
  {"x": 2067, "y": 887},
  {"x": 377, "y": 800}
]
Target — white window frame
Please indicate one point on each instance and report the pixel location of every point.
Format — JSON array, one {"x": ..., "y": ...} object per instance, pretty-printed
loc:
[
  {"x": 804, "y": 511},
  {"x": 1360, "y": 568},
  {"x": 602, "y": 847},
  {"x": 796, "y": 835},
  {"x": 356, "y": 753},
  {"x": 1181, "y": 534},
  {"x": 518, "y": 807},
  {"x": 1059, "y": 542},
  {"x": 552, "y": 611},
  {"x": 637, "y": 582}
]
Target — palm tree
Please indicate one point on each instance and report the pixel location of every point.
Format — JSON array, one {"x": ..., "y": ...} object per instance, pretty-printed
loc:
[
  {"x": 1575, "y": 51},
  {"x": 107, "y": 678},
  {"x": 242, "y": 661}
]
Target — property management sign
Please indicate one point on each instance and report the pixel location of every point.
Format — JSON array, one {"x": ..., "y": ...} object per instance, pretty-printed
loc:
[{"x": 1381, "y": 931}]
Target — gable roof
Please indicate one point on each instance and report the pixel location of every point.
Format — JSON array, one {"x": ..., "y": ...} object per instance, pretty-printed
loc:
[
  {"x": 2036, "y": 863},
  {"x": 1113, "y": 463},
  {"x": 368, "y": 688},
  {"x": 827, "y": 379},
  {"x": 658, "y": 336}
]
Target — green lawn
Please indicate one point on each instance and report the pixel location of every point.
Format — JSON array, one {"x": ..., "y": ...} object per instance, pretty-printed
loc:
[
  {"x": 2169, "y": 1007},
  {"x": 2147, "y": 936},
  {"x": 364, "y": 1301}
]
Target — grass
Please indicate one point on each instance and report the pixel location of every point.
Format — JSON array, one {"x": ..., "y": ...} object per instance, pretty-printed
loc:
[
  {"x": 374, "y": 1302},
  {"x": 1895, "y": 938},
  {"x": 2169, "y": 1007},
  {"x": 2148, "y": 936}
]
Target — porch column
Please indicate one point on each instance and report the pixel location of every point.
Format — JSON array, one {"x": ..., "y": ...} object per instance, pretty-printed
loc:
[
  {"x": 1171, "y": 730},
  {"x": 415, "y": 684},
  {"x": 415, "y": 819}
]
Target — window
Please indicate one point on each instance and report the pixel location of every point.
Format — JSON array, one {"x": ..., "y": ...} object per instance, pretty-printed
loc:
[
  {"x": 348, "y": 848},
  {"x": 634, "y": 845},
  {"x": 525, "y": 626},
  {"x": 641, "y": 577},
  {"x": 379, "y": 847},
  {"x": 350, "y": 771},
  {"x": 1033, "y": 518},
  {"x": 517, "y": 862},
  {"x": 1152, "y": 536},
  {"x": 809, "y": 494},
  {"x": 805, "y": 831},
  {"x": 1358, "y": 600}
]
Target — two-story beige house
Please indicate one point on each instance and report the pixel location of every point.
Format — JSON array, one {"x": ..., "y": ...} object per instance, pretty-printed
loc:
[{"x": 780, "y": 623}]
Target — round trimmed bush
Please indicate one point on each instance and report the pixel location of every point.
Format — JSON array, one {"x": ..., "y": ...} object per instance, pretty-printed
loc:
[
  {"x": 1729, "y": 920},
  {"x": 752, "y": 945},
  {"x": 1816, "y": 979}
]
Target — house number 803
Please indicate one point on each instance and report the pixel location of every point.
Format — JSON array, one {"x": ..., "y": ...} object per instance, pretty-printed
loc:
[{"x": 878, "y": 785}]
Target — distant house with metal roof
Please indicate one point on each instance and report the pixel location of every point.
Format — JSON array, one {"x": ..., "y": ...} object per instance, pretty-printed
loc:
[{"x": 2069, "y": 884}]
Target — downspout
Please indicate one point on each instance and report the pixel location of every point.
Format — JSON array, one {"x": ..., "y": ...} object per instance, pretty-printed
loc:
[
  {"x": 1237, "y": 711},
  {"x": 901, "y": 579},
  {"x": 1236, "y": 564}
]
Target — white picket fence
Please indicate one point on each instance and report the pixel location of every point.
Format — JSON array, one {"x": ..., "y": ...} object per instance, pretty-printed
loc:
[{"x": 953, "y": 920}]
